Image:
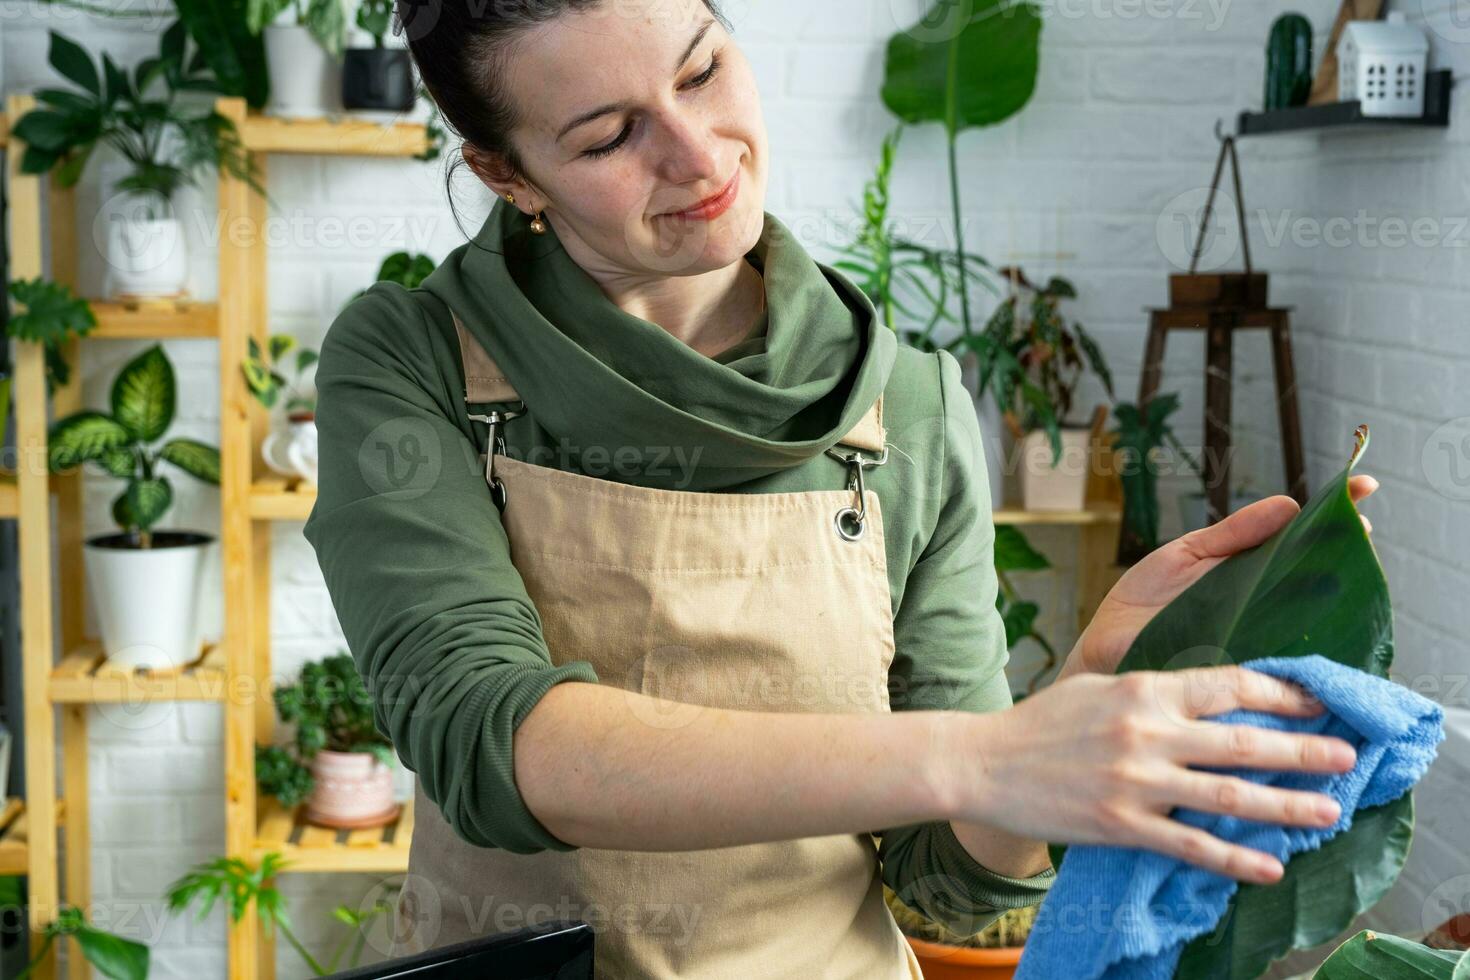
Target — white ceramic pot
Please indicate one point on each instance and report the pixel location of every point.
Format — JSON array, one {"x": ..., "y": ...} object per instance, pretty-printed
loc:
[
  {"x": 1192, "y": 515},
  {"x": 352, "y": 789},
  {"x": 146, "y": 258},
  {"x": 147, "y": 599},
  {"x": 306, "y": 81},
  {"x": 1062, "y": 487},
  {"x": 292, "y": 451}
]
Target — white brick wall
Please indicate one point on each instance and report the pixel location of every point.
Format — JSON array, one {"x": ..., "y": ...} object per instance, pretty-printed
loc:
[{"x": 1120, "y": 127}]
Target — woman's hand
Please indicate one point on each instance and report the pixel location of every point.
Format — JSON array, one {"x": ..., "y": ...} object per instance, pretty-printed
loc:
[
  {"x": 1167, "y": 571},
  {"x": 1104, "y": 759}
]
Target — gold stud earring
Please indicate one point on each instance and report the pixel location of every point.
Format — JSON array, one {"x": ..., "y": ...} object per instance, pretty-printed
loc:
[
  {"x": 511, "y": 198},
  {"x": 537, "y": 225}
]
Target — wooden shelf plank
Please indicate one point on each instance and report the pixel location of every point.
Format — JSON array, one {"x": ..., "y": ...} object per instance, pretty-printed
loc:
[
  {"x": 340, "y": 136},
  {"x": 9, "y": 499},
  {"x": 81, "y": 678},
  {"x": 1349, "y": 117},
  {"x": 1101, "y": 512},
  {"x": 275, "y": 499},
  {"x": 310, "y": 848},
  {"x": 154, "y": 318},
  {"x": 15, "y": 836}
]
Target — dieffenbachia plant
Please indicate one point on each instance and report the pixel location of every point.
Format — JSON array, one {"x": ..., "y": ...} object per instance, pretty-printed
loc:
[
  {"x": 143, "y": 400},
  {"x": 1315, "y": 586},
  {"x": 1376, "y": 956}
]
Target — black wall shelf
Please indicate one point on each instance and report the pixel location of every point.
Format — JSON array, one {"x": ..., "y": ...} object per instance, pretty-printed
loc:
[{"x": 1348, "y": 116}]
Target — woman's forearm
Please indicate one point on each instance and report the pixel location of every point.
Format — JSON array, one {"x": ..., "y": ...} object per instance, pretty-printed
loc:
[{"x": 607, "y": 768}]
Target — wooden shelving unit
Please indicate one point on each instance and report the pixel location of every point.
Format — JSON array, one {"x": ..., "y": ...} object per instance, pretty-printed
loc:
[
  {"x": 234, "y": 671},
  {"x": 1348, "y": 116}
]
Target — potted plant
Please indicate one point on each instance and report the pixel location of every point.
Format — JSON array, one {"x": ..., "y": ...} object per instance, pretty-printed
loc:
[
  {"x": 1032, "y": 359},
  {"x": 993, "y": 953},
  {"x": 290, "y": 451},
  {"x": 1141, "y": 435},
  {"x": 145, "y": 582},
  {"x": 378, "y": 77},
  {"x": 304, "y": 42},
  {"x": 337, "y": 762},
  {"x": 167, "y": 146}
]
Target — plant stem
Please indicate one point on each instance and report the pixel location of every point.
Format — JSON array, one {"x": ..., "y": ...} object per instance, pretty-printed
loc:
[
  {"x": 959, "y": 231},
  {"x": 316, "y": 967}
]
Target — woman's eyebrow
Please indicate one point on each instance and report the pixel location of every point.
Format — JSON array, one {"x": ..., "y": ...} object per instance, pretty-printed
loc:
[{"x": 612, "y": 107}]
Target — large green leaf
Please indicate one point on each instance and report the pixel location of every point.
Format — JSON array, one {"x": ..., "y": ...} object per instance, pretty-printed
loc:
[
  {"x": 235, "y": 55},
  {"x": 965, "y": 65},
  {"x": 147, "y": 501},
  {"x": 193, "y": 457},
  {"x": 143, "y": 395},
  {"x": 1375, "y": 956},
  {"x": 1313, "y": 587},
  {"x": 83, "y": 436},
  {"x": 75, "y": 65}
]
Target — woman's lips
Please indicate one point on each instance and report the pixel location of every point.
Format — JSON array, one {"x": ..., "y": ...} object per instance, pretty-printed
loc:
[{"x": 715, "y": 206}]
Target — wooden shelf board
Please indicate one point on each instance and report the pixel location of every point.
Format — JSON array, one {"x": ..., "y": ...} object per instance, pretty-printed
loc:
[
  {"x": 342, "y": 136},
  {"x": 309, "y": 848},
  {"x": 275, "y": 499},
  {"x": 15, "y": 835},
  {"x": 154, "y": 318},
  {"x": 1101, "y": 512},
  {"x": 81, "y": 678}
]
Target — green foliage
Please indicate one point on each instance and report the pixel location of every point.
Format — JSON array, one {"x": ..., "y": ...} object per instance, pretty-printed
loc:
[
  {"x": 1013, "y": 553},
  {"x": 325, "y": 20},
  {"x": 50, "y": 314},
  {"x": 375, "y": 17},
  {"x": 1031, "y": 359},
  {"x": 266, "y": 382},
  {"x": 113, "y": 956},
  {"x": 1313, "y": 587},
  {"x": 1140, "y": 436},
  {"x": 167, "y": 145},
  {"x": 240, "y": 884},
  {"x": 332, "y": 709},
  {"x": 1376, "y": 956},
  {"x": 143, "y": 402},
  {"x": 235, "y": 55}
]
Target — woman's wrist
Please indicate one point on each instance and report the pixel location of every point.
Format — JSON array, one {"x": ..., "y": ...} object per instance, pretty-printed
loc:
[{"x": 965, "y": 786}]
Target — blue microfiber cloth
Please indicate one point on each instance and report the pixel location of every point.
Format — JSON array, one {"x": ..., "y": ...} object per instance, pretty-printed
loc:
[{"x": 1127, "y": 913}]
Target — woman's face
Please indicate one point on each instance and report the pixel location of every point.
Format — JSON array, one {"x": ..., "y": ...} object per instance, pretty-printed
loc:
[{"x": 633, "y": 112}]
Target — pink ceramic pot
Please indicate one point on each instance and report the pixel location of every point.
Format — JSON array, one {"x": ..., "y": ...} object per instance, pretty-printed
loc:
[{"x": 353, "y": 789}]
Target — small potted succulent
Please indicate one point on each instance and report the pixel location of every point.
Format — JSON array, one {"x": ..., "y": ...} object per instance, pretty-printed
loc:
[
  {"x": 337, "y": 762},
  {"x": 1032, "y": 359},
  {"x": 145, "y": 582},
  {"x": 379, "y": 77},
  {"x": 167, "y": 143},
  {"x": 304, "y": 42},
  {"x": 292, "y": 450},
  {"x": 993, "y": 953}
]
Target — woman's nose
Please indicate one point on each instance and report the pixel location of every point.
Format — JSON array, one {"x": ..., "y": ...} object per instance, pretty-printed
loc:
[{"x": 689, "y": 153}]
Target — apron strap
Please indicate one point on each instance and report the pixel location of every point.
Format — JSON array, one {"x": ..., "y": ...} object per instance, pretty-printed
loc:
[{"x": 485, "y": 382}]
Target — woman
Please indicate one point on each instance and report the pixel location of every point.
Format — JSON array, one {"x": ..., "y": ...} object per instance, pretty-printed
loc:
[{"x": 671, "y": 572}]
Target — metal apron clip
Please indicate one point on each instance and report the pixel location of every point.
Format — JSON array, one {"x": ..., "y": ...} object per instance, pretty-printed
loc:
[
  {"x": 851, "y": 521},
  {"x": 496, "y": 443}
]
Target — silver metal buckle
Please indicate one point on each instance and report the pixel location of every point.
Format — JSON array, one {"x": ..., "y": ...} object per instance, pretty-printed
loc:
[
  {"x": 851, "y": 522},
  {"x": 496, "y": 444}
]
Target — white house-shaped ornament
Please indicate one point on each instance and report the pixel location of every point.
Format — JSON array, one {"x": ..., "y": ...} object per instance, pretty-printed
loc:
[{"x": 1381, "y": 64}]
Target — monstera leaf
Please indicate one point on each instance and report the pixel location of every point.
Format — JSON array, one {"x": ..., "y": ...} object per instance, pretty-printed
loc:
[{"x": 1314, "y": 587}]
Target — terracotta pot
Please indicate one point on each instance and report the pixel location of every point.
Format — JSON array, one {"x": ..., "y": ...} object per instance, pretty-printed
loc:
[
  {"x": 942, "y": 962},
  {"x": 353, "y": 790},
  {"x": 1062, "y": 487}
]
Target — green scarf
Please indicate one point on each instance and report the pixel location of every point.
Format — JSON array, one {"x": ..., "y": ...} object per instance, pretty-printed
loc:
[{"x": 600, "y": 378}]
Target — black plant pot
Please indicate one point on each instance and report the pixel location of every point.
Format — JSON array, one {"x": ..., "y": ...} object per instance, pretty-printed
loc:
[{"x": 377, "y": 78}]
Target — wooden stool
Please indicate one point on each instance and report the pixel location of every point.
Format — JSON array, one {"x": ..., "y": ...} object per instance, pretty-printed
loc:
[{"x": 1220, "y": 324}]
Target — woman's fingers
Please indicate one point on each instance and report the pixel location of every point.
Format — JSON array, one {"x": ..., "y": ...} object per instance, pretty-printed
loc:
[
  {"x": 1195, "y": 846},
  {"x": 1242, "y": 798},
  {"x": 1210, "y": 743},
  {"x": 1361, "y": 485},
  {"x": 1215, "y": 690}
]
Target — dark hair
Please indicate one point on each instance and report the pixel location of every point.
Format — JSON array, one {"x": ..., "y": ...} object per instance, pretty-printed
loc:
[{"x": 459, "y": 49}]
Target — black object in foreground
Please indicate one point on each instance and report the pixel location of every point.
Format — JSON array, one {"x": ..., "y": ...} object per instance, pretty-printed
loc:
[{"x": 557, "y": 951}]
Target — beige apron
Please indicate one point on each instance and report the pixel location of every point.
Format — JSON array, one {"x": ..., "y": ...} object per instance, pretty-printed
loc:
[{"x": 749, "y": 601}]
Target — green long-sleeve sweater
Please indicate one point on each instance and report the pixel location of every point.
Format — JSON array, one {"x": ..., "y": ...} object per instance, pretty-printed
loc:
[{"x": 417, "y": 563}]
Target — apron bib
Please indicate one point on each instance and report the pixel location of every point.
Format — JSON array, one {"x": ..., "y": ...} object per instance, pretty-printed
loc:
[{"x": 753, "y": 601}]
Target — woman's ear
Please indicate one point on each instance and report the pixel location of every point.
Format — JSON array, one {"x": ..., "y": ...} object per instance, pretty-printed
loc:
[{"x": 495, "y": 174}]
